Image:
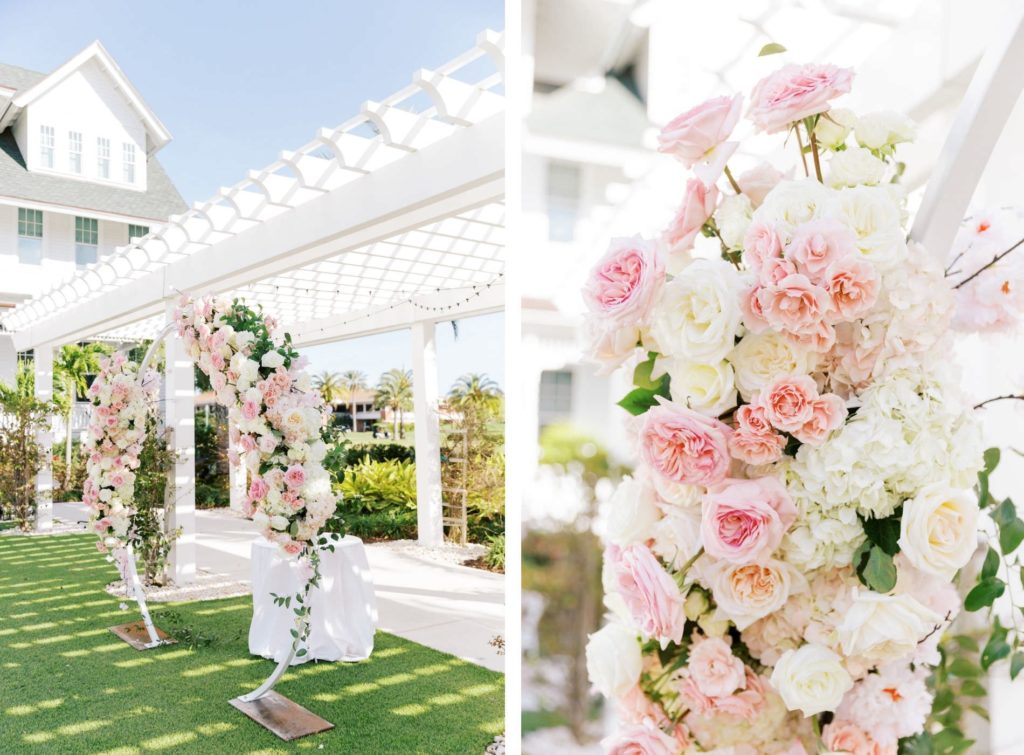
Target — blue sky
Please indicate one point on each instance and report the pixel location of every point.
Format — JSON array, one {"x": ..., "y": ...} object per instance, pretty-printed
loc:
[{"x": 238, "y": 82}]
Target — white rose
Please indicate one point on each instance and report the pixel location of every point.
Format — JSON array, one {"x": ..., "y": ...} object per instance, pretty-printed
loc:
[
  {"x": 793, "y": 203},
  {"x": 607, "y": 344},
  {"x": 855, "y": 166},
  {"x": 746, "y": 593},
  {"x": 273, "y": 360},
  {"x": 886, "y": 127},
  {"x": 706, "y": 388},
  {"x": 811, "y": 679},
  {"x": 678, "y": 493},
  {"x": 613, "y": 659},
  {"x": 875, "y": 217},
  {"x": 261, "y": 520},
  {"x": 698, "y": 313},
  {"x": 633, "y": 512},
  {"x": 279, "y": 523},
  {"x": 732, "y": 218},
  {"x": 758, "y": 359},
  {"x": 833, "y": 127},
  {"x": 938, "y": 531},
  {"x": 885, "y": 627},
  {"x": 677, "y": 534}
]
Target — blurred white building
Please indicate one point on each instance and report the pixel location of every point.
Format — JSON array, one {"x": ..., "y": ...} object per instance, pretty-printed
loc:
[{"x": 607, "y": 73}]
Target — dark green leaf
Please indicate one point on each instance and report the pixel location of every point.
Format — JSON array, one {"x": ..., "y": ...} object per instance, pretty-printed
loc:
[
  {"x": 301, "y": 652},
  {"x": 995, "y": 650},
  {"x": 921, "y": 744},
  {"x": 1004, "y": 513},
  {"x": 879, "y": 572},
  {"x": 1011, "y": 535},
  {"x": 943, "y": 699},
  {"x": 1016, "y": 664},
  {"x": 991, "y": 565},
  {"x": 885, "y": 533},
  {"x": 638, "y": 401},
  {"x": 964, "y": 668},
  {"x": 642, "y": 374},
  {"x": 991, "y": 458},
  {"x": 772, "y": 48},
  {"x": 972, "y": 688},
  {"x": 984, "y": 594},
  {"x": 966, "y": 642}
]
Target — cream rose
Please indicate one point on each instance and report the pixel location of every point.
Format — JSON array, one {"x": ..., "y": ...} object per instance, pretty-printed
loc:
[
  {"x": 633, "y": 511},
  {"x": 792, "y": 203},
  {"x": 698, "y": 314},
  {"x": 811, "y": 679},
  {"x": 707, "y": 388},
  {"x": 614, "y": 659},
  {"x": 834, "y": 126},
  {"x": 886, "y": 127},
  {"x": 744, "y": 594},
  {"x": 732, "y": 218},
  {"x": 885, "y": 627},
  {"x": 875, "y": 219},
  {"x": 761, "y": 357},
  {"x": 939, "y": 529},
  {"x": 855, "y": 166}
]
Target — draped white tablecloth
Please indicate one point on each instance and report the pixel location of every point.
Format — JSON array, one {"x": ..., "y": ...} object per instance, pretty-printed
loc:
[{"x": 344, "y": 608}]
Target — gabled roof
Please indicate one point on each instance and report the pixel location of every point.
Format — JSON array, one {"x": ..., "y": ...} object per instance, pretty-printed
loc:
[
  {"x": 160, "y": 200},
  {"x": 18, "y": 79},
  {"x": 28, "y": 91}
]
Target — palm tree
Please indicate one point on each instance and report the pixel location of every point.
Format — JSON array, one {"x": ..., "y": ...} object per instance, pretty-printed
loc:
[
  {"x": 329, "y": 386},
  {"x": 475, "y": 389},
  {"x": 395, "y": 392},
  {"x": 71, "y": 368},
  {"x": 351, "y": 382}
]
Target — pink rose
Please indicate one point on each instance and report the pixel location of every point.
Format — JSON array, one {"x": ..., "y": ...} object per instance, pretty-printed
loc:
[
  {"x": 247, "y": 442},
  {"x": 650, "y": 594},
  {"x": 787, "y": 401},
  {"x": 819, "y": 338},
  {"x": 794, "y": 304},
  {"x": 776, "y": 269},
  {"x": 743, "y": 521},
  {"x": 268, "y": 444},
  {"x": 760, "y": 243},
  {"x": 713, "y": 667},
  {"x": 690, "y": 136},
  {"x": 295, "y": 477},
  {"x": 847, "y": 737},
  {"x": 625, "y": 282},
  {"x": 748, "y": 702},
  {"x": 258, "y": 489},
  {"x": 640, "y": 739},
  {"x": 685, "y": 446},
  {"x": 293, "y": 547},
  {"x": 758, "y": 181},
  {"x": 818, "y": 244},
  {"x": 753, "y": 312},
  {"x": 635, "y": 707},
  {"x": 795, "y": 92},
  {"x": 752, "y": 419},
  {"x": 756, "y": 448},
  {"x": 699, "y": 202},
  {"x": 852, "y": 285},
  {"x": 250, "y": 409},
  {"x": 117, "y": 479},
  {"x": 827, "y": 414}
]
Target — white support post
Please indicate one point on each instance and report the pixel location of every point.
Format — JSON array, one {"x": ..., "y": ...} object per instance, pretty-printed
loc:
[
  {"x": 180, "y": 392},
  {"x": 8, "y": 360},
  {"x": 429, "y": 527},
  {"x": 236, "y": 483},
  {"x": 44, "y": 477}
]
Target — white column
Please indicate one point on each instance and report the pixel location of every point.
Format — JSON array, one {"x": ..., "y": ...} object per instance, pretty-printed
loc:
[
  {"x": 8, "y": 360},
  {"x": 44, "y": 477},
  {"x": 428, "y": 446},
  {"x": 180, "y": 391},
  {"x": 236, "y": 480}
]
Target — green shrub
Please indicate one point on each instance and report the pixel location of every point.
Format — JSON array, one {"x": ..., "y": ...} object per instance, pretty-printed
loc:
[
  {"x": 391, "y": 524},
  {"x": 495, "y": 556},
  {"x": 381, "y": 452},
  {"x": 375, "y": 485}
]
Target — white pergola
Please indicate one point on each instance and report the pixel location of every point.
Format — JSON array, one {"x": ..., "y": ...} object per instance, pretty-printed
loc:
[{"x": 392, "y": 220}]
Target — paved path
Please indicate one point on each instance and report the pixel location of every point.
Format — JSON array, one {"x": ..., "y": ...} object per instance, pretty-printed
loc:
[{"x": 455, "y": 609}]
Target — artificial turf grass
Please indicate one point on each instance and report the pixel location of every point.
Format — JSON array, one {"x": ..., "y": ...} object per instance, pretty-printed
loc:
[{"x": 67, "y": 685}]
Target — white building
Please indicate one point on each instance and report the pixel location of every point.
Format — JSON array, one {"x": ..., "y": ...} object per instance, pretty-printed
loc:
[{"x": 78, "y": 173}]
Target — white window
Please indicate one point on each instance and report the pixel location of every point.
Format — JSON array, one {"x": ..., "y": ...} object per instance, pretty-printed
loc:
[
  {"x": 87, "y": 239},
  {"x": 30, "y": 236},
  {"x": 75, "y": 151},
  {"x": 563, "y": 200},
  {"x": 129, "y": 163},
  {"x": 103, "y": 157},
  {"x": 46, "y": 146}
]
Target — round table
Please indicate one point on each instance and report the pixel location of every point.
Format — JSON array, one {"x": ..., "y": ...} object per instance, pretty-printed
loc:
[{"x": 344, "y": 608}]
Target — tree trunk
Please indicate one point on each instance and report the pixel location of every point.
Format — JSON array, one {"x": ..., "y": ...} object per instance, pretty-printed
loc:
[
  {"x": 394, "y": 420},
  {"x": 353, "y": 415}
]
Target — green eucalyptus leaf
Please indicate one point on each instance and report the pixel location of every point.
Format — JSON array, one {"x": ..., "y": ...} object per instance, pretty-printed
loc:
[
  {"x": 1016, "y": 664},
  {"x": 991, "y": 457},
  {"x": 972, "y": 688},
  {"x": 984, "y": 594},
  {"x": 772, "y": 48},
  {"x": 964, "y": 669},
  {"x": 991, "y": 565},
  {"x": 885, "y": 533},
  {"x": 1004, "y": 513},
  {"x": 880, "y": 571},
  {"x": 1011, "y": 535},
  {"x": 995, "y": 650}
]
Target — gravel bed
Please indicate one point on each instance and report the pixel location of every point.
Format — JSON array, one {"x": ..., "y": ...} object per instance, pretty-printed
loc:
[{"x": 206, "y": 587}]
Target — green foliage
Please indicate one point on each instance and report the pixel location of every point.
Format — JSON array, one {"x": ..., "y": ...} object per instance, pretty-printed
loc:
[
  {"x": 772, "y": 48},
  {"x": 495, "y": 557},
  {"x": 381, "y": 452},
  {"x": 212, "y": 474},
  {"x": 375, "y": 485},
  {"x": 21, "y": 455},
  {"x": 390, "y": 524},
  {"x": 647, "y": 390}
]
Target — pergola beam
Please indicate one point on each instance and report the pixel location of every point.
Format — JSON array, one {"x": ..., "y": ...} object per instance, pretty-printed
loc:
[{"x": 462, "y": 171}]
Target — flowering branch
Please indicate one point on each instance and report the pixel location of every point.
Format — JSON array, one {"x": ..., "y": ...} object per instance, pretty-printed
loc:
[{"x": 989, "y": 264}]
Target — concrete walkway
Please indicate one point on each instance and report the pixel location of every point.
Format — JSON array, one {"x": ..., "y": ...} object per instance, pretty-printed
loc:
[{"x": 455, "y": 609}]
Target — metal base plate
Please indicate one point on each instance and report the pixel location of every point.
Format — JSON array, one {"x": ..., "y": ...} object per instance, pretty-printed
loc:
[
  {"x": 135, "y": 634},
  {"x": 284, "y": 718}
]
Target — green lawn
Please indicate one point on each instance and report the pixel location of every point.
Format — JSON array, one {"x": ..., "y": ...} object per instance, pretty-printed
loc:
[{"x": 67, "y": 685}]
